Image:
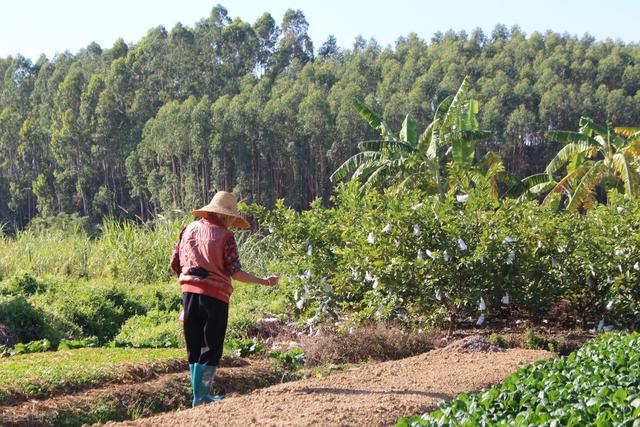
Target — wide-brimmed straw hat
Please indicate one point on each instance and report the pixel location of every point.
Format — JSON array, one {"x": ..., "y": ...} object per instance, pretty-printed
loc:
[{"x": 224, "y": 203}]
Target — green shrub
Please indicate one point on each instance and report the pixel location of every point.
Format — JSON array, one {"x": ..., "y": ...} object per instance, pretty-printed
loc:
[
  {"x": 237, "y": 328},
  {"x": 164, "y": 296},
  {"x": 405, "y": 256},
  {"x": 156, "y": 329},
  {"x": 24, "y": 284},
  {"x": 97, "y": 309},
  {"x": 497, "y": 340},
  {"x": 291, "y": 360},
  {"x": 532, "y": 340},
  {"x": 27, "y": 322}
]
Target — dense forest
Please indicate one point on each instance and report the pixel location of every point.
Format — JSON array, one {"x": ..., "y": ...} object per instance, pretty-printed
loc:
[{"x": 136, "y": 130}]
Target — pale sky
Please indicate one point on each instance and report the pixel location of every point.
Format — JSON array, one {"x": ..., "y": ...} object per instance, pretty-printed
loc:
[{"x": 32, "y": 27}]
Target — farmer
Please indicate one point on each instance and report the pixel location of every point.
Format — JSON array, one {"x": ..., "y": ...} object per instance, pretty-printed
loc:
[{"x": 205, "y": 260}]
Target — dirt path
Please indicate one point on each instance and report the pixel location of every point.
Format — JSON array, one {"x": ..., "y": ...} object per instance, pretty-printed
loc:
[{"x": 373, "y": 395}]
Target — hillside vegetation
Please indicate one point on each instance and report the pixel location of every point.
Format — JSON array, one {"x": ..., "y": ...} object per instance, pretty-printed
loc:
[{"x": 133, "y": 130}]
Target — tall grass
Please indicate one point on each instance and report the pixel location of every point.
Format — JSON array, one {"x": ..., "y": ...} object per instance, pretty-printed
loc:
[
  {"x": 136, "y": 253},
  {"x": 50, "y": 252},
  {"x": 121, "y": 250}
]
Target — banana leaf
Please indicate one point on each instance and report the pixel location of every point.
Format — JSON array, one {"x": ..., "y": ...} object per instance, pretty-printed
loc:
[
  {"x": 353, "y": 163},
  {"x": 408, "y": 132}
]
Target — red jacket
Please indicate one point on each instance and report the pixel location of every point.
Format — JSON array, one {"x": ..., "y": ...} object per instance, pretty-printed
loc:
[{"x": 202, "y": 245}]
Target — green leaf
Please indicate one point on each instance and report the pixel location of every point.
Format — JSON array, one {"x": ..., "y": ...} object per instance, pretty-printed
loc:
[
  {"x": 572, "y": 137},
  {"x": 353, "y": 163},
  {"x": 584, "y": 194},
  {"x": 620, "y": 396},
  {"x": 463, "y": 153},
  {"x": 366, "y": 113},
  {"x": 453, "y": 117},
  {"x": 592, "y": 401},
  {"x": 377, "y": 145},
  {"x": 567, "y": 154},
  {"x": 425, "y": 138},
  {"x": 533, "y": 183},
  {"x": 628, "y": 174},
  {"x": 373, "y": 119},
  {"x": 408, "y": 132},
  {"x": 577, "y": 161}
]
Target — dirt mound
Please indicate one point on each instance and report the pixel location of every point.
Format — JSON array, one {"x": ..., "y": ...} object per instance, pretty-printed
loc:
[
  {"x": 372, "y": 395},
  {"x": 473, "y": 343}
]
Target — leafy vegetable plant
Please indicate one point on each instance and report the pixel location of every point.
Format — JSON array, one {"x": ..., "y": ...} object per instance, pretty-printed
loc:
[{"x": 597, "y": 385}]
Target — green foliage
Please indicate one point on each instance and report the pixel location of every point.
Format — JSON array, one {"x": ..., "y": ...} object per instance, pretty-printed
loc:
[
  {"x": 595, "y": 156},
  {"x": 291, "y": 360},
  {"x": 244, "y": 347},
  {"x": 78, "y": 310},
  {"x": 27, "y": 322},
  {"x": 135, "y": 314},
  {"x": 24, "y": 285},
  {"x": 32, "y": 347},
  {"x": 155, "y": 329},
  {"x": 44, "y": 374},
  {"x": 134, "y": 130},
  {"x": 497, "y": 340},
  {"x": 407, "y": 161},
  {"x": 123, "y": 251},
  {"x": 411, "y": 257},
  {"x": 74, "y": 344},
  {"x": 533, "y": 341},
  {"x": 97, "y": 309},
  {"x": 597, "y": 385},
  {"x": 138, "y": 254}
]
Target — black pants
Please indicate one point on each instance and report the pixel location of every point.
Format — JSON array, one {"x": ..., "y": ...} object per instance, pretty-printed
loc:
[{"x": 205, "y": 324}]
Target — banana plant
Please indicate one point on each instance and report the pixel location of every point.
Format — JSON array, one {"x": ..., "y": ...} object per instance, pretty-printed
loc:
[
  {"x": 409, "y": 160},
  {"x": 379, "y": 161},
  {"x": 530, "y": 187},
  {"x": 594, "y": 156}
]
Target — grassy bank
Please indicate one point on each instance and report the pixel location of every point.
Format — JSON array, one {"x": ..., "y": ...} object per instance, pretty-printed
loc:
[{"x": 45, "y": 374}]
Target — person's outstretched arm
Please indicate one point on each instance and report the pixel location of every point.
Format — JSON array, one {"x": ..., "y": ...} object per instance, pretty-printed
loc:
[
  {"x": 245, "y": 277},
  {"x": 234, "y": 269}
]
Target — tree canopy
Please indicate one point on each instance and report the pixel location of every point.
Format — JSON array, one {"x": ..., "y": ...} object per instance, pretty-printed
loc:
[{"x": 135, "y": 130}]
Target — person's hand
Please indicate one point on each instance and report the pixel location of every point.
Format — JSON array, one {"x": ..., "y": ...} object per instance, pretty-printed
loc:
[{"x": 272, "y": 280}]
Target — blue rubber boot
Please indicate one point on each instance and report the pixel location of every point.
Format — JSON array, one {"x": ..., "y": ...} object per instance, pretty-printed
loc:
[
  {"x": 201, "y": 379},
  {"x": 191, "y": 365}
]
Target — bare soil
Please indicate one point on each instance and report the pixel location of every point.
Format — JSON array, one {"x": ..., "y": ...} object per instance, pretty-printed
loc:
[{"x": 372, "y": 395}]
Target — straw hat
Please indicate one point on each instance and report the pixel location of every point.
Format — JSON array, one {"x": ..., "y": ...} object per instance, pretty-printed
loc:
[{"x": 224, "y": 203}]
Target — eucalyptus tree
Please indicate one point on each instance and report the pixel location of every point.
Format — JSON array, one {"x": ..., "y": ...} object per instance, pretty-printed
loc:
[
  {"x": 295, "y": 44},
  {"x": 71, "y": 145},
  {"x": 267, "y": 33}
]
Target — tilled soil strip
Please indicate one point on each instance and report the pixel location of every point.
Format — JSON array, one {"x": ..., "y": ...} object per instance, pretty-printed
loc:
[
  {"x": 373, "y": 395},
  {"x": 162, "y": 393},
  {"x": 124, "y": 373}
]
